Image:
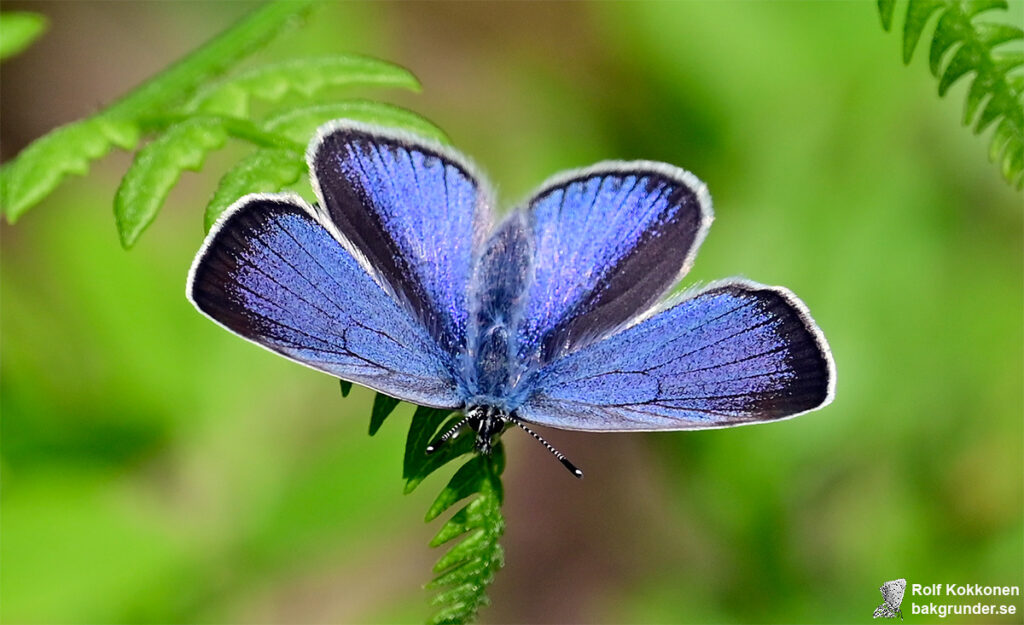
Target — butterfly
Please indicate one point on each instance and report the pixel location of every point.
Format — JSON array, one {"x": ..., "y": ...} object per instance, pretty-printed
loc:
[
  {"x": 398, "y": 279},
  {"x": 892, "y": 593}
]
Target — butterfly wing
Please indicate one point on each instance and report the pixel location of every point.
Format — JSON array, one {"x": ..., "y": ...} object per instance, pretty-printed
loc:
[
  {"x": 271, "y": 273},
  {"x": 734, "y": 353},
  {"x": 413, "y": 212},
  {"x": 608, "y": 242}
]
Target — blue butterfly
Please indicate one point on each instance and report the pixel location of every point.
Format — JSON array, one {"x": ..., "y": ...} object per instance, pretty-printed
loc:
[{"x": 397, "y": 280}]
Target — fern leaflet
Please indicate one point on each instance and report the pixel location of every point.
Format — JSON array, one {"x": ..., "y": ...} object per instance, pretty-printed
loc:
[
  {"x": 156, "y": 169},
  {"x": 300, "y": 123},
  {"x": 267, "y": 170},
  {"x": 18, "y": 29},
  {"x": 70, "y": 149},
  {"x": 307, "y": 77},
  {"x": 383, "y": 406}
]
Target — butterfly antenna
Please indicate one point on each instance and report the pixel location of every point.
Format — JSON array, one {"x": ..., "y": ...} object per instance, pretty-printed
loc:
[
  {"x": 561, "y": 457},
  {"x": 449, "y": 434}
]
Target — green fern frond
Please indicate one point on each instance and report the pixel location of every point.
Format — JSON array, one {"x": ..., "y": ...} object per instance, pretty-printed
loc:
[
  {"x": 427, "y": 425},
  {"x": 264, "y": 171},
  {"x": 383, "y": 406},
  {"x": 465, "y": 571},
  {"x": 70, "y": 149},
  {"x": 18, "y": 29},
  {"x": 156, "y": 169},
  {"x": 190, "y": 116},
  {"x": 307, "y": 77},
  {"x": 997, "y": 90}
]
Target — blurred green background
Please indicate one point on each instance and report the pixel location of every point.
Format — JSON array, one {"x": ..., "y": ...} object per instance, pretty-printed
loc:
[{"x": 157, "y": 469}]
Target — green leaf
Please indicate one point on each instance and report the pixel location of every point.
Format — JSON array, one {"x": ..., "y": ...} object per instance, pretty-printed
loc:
[
  {"x": 948, "y": 32},
  {"x": 468, "y": 480},
  {"x": 300, "y": 124},
  {"x": 469, "y": 516},
  {"x": 964, "y": 60},
  {"x": 885, "y": 10},
  {"x": 469, "y": 566},
  {"x": 40, "y": 167},
  {"x": 419, "y": 464},
  {"x": 346, "y": 387},
  {"x": 303, "y": 76},
  {"x": 156, "y": 169},
  {"x": 264, "y": 171},
  {"x": 383, "y": 405},
  {"x": 918, "y": 13},
  {"x": 469, "y": 571},
  {"x": 465, "y": 571},
  {"x": 463, "y": 551},
  {"x": 18, "y": 29}
]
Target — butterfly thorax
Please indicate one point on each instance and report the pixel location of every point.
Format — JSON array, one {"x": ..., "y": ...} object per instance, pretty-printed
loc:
[{"x": 501, "y": 281}]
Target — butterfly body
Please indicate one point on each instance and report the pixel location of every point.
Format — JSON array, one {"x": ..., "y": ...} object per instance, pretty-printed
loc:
[{"x": 398, "y": 280}]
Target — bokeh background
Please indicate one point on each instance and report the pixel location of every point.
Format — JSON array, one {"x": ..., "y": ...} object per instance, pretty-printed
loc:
[{"x": 157, "y": 469}]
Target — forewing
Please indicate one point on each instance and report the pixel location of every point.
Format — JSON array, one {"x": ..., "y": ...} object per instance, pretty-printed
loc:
[
  {"x": 734, "y": 353},
  {"x": 274, "y": 275},
  {"x": 609, "y": 241},
  {"x": 413, "y": 212}
]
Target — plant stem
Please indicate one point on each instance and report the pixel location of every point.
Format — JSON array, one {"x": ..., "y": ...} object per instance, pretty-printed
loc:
[{"x": 215, "y": 57}]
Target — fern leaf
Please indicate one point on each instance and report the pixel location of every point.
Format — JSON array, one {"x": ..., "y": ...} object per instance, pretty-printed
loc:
[
  {"x": 300, "y": 124},
  {"x": 40, "y": 167},
  {"x": 885, "y": 11},
  {"x": 466, "y": 481},
  {"x": 67, "y": 150},
  {"x": 918, "y": 13},
  {"x": 18, "y": 29},
  {"x": 996, "y": 94},
  {"x": 346, "y": 388},
  {"x": 307, "y": 77},
  {"x": 383, "y": 405},
  {"x": 266, "y": 170},
  {"x": 427, "y": 425},
  {"x": 469, "y": 516},
  {"x": 156, "y": 169},
  {"x": 465, "y": 571},
  {"x": 469, "y": 566}
]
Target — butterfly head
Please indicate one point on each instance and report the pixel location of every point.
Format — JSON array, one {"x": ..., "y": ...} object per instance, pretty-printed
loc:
[{"x": 489, "y": 422}]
